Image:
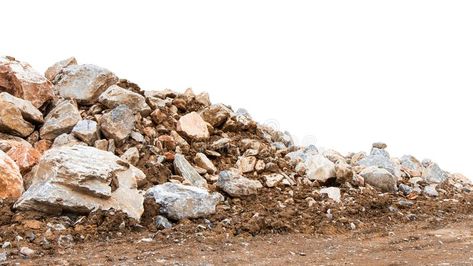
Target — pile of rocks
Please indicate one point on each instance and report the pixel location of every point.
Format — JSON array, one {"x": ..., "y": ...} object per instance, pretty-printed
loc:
[{"x": 80, "y": 139}]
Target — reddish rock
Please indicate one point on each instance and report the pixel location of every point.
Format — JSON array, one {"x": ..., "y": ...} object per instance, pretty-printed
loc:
[
  {"x": 43, "y": 145},
  {"x": 11, "y": 182},
  {"x": 22, "y": 81},
  {"x": 11, "y": 120},
  {"x": 25, "y": 156}
]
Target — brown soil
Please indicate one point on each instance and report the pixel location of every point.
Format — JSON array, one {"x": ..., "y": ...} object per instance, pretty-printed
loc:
[{"x": 273, "y": 227}]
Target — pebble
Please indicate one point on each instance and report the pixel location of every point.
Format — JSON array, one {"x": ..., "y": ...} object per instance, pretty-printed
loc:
[
  {"x": 3, "y": 256},
  {"x": 27, "y": 252},
  {"x": 6, "y": 245},
  {"x": 162, "y": 223}
]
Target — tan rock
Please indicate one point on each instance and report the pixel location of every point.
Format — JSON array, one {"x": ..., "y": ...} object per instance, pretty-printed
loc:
[
  {"x": 11, "y": 182},
  {"x": 216, "y": 115},
  {"x": 55, "y": 69},
  {"x": 87, "y": 131},
  {"x": 118, "y": 123},
  {"x": 202, "y": 161},
  {"x": 116, "y": 95},
  {"x": 193, "y": 126},
  {"x": 60, "y": 120},
  {"x": 22, "y": 81},
  {"x": 246, "y": 164},
  {"x": 84, "y": 83},
  {"x": 27, "y": 109},
  {"x": 11, "y": 120}
]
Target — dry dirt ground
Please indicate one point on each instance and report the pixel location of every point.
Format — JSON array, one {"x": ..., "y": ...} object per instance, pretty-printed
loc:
[{"x": 418, "y": 243}]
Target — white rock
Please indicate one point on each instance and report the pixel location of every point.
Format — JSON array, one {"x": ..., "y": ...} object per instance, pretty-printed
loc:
[
  {"x": 236, "y": 185},
  {"x": 185, "y": 169},
  {"x": 332, "y": 192},
  {"x": 432, "y": 173},
  {"x": 202, "y": 161},
  {"x": 132, "y": 155},
  {"x": 180, "y": 202},
  {"x": 61, "y": 119},
  {"x": 193, "y": 126},
  {"x": 273, "y": 179},
  {"x": 380, "y": 178},
  {"x": 246, "y": 164},
  {"x": 87, "y": 131},
  {"x": 320, "y": 168}
]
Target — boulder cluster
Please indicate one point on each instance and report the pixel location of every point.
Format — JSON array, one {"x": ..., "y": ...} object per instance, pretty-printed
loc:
[{"x": 79, "y": 139}]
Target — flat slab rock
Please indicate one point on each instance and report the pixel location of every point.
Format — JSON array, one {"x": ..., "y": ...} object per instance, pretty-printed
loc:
[
  {"x": 60, "y": 120},
  {"x": 80, "y": 179},
  {"x": 179, "y": 201},
  {"x": 185, "y": 169}
]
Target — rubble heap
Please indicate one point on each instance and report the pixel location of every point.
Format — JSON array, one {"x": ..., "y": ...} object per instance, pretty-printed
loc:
[{"x": 78, "y": 139}]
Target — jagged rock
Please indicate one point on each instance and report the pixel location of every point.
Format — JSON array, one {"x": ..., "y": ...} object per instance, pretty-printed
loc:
[
  {"x": 66, "y": 140},
  {"x": 431, "y": 190},
  {"x": 380, "y": 178},
  {"x": 101, "y": 144},
  {"x": 380, "y": 158},
  {"x": 411, "y": 165},
  {"x": 115, "y": 96},
  {"x": 332, "y": 192},
  {"x": 162, "y": 223},
  {"x": 87, "y": 131},
  {"x": 405, "y": 189},
  {"x": 22, "y": 81},
  {"x": 20, "y": 151},
  {"x": 432, "y": 173},
  {"x": 246, "y": 164},
  {"x": 11, "y": 120},
  {"x": 81, "y": 179},
  {"x": 118, "y": 124},
  {"x": 84, "y": 83},
  {"x": 11, "y": 181},
  {"x": 132, "y": 155},
  {"x": 216, "y": 115},
  {"x": 343, "y": 172},
  {"x": 179, "y": 202},
  {"x": 203, "y": 98},
  {"x": 202, "y": 161},
  {"x": 319, "y": 168},
  {"x": 236, "y": 185},
  {"x": 27, "y": 109},
  {"x": 55, "y": 69},
  {"x": 60, "y": 120},
  {"x": 273, "y": 179},
  {"x": 193, "y": 126},
  {"x": 185, "y": 169},
  {"x": 302, "y": 155}
]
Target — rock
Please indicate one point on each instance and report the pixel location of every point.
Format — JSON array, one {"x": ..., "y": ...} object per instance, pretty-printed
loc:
[
  {"x": 80, "y": 179},
  {"x": 162, "y": 223},
  {"x": 60, "y": 120},
  {"x": 319, "y": 168},
  {"x": 27, "y": 109},
  {"x": 84, "y": 83},
  {"x": 236, "y": 185},
  {"x": 380, "y": 158},
  {"x": 302, "y": 155},
  {"x": 405, "y": 189},
  {"x": 246, "y": 164},
  {"x": 193, "y": 126},
  {"x": 87, "y": 131},
  {"x": 56, "y": 69},
  {"x": 66, "y": 140},
  {"x": 216, "y": 115},
  {"x": 118, "y": 124},
  {"x": 21, "y": 80},
  {"x": 11, "y": 181},
  {"x": 115, "y": 96},
  {"x": 379, "y": 178},
  {"x": 179, "y": 202},
  {"x": 185, "y": 169},
  {"x": 3, "y": 257},
  {"x": 380, "y": 145},
  {"x": 432, "y": 173},
  {"x": 203, "y": 98},
  {"x": 132, "y": 155},
  {"x": 343, "y": 173},
  {"x": 101, "y": 144},
  {"x": 202, "y": 161},
  {"x": 273, "y": 179},
  {"x": 332, "y": 192},
  {"x": 411, "y": 166},
  {"x": 138, "y": 137},
  {"x": 24, "y": 155},
  {"x": 12, "y": 122},
  {"x": 431, "y": 190},
  {"x": 27, "y": 252}
]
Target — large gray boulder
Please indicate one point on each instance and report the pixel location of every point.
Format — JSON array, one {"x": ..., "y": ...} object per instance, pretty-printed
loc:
[
  {"x": 236, "y": 185},
  {"x": 432, "y": 173},
  {"x": 380, "y": 178},
  {"x": 380, "y": 158},
  {"x": 60, "y": 120},
  {"x": 116, "y": 95},
  {"x": 180, "y": 201},
  {"x": 81, "y": 179},
  {"x": 84, "y": 83}
]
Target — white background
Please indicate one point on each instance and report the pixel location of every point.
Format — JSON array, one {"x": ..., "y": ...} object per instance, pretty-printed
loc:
[{"x": 341, "y": 73}]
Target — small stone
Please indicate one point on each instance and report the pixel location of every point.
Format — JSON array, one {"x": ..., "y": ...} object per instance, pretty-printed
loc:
[
  {"x": 3, "y": 256},
  {"x": 86, "y": 130},
  {"x": 115, "y": 96},
  {"x": 132, "y": 155},
  {"x": 431, "y": 190},
  {"x": 162, "y": 223},
  {"x": 379, "y": 178},
  {"x": 380, "y": 145},
  {"x": 185, "y": 169},
  {"x": 332, "y": 192},
  {"x": 246, "y": 164},
  {"x": 101, "y": 144},
  {"x": 6, "y": 245},
  {"x": 411, "y": 165},
  {"x": 405, "y": 189},
  {"x": 66, "y": 140},
  {"x": 118, "y": 124},
  {"x": 273, "y": 179},
  {"x": 236, "y": 185},
  {"x": 216, "y": 115},
  {"x": 60, "y": 120},
  {"x": 55, "y": 69},
  {"x": 202, "y": 161},
  {"x": 138, "y": 137},
  {"x": 193, "y": 126},
  {"x": 27, "y": 252},
  {"x": 84, "y": 83}
]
